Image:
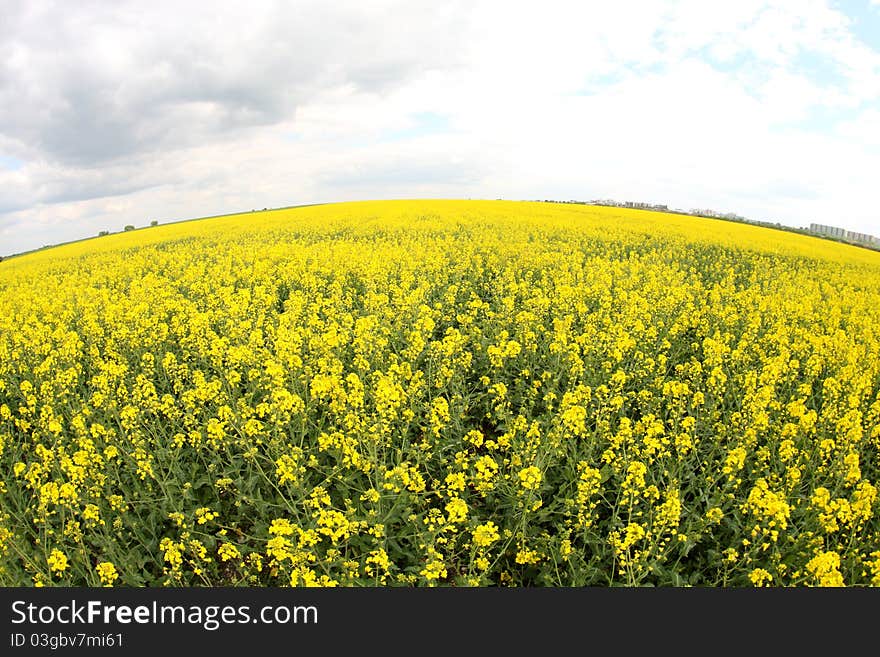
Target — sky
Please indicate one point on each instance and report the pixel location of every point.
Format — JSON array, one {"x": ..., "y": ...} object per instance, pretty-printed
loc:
[{"x": 125, "y": 112}]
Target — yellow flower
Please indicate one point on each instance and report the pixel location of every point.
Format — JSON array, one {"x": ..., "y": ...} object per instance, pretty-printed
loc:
[
  {"x": 107, "y": 573},
  {"x": 334, "y": 524},
  {"x": 377, "y": 562},
  {"x": 526, "y": 556},
  {"x": 204, "y": 515},
  {"x": 92, "y": 515},
  {"x": 455, "y": 481},
  {"x": 760, "y": 577},
  {"x": 228, "y": 552},
  {"x": 530, "y": 478},
  {"x": 435, "y": 568},
  {"x": 370, "y": 495},
  {"x": 456, "y": 510},
  {"x": 565, "y": 549},
  {"x": 714, "y": 515},
  {"x": 623, "y": 541},
  {"x": 57, "y": 561},
  {"x": 635, "y": 477},
  {"x": 281, "y": 527},
  {"x": 825, "y": 568},
  {"x": 279, "y": 548},
  {"x": 486, "y": 534},
  {"x": 874, "y": 566}
]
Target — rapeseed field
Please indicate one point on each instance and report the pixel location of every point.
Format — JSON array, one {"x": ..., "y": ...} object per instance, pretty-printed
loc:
[{"x": 448, "y": 393}]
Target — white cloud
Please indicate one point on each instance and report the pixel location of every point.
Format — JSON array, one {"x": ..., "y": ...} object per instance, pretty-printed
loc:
[{"x": 695, "y": 104}]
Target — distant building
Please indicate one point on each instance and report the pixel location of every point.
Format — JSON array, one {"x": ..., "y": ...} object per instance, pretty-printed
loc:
[
  {"x": 831, "y": 231},
  {"x": 840, "y": 233}
]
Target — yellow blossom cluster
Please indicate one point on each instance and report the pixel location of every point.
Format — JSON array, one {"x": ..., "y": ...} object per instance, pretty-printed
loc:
[{"x": 423, "y": 393}]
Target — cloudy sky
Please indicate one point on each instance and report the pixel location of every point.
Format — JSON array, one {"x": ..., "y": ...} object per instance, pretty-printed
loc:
[{"x": 115, "y": 113}]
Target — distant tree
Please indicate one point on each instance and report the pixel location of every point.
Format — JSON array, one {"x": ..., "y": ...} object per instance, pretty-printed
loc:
[
  {"x": 129, "y": 227},
  {"x": 103, "y": 233},
  {"x": 1, "y": 258},
  {"x": 154, "y": 223}
]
